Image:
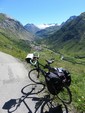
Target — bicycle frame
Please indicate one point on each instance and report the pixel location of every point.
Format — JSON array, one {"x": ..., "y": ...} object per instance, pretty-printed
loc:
[
  {"x": 46, "y": 66},
  {"x": 53, "y": 87}
]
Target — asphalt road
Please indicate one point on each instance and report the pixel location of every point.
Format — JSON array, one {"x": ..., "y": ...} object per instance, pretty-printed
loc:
[{"x": 13, "y": 78}]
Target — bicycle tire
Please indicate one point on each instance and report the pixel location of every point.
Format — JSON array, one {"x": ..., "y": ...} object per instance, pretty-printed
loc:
[
  {"x": 33, "y": 89},
  {"x": 65, "y": 95},
  {"x": 33, "y": 76},
  {"x": 52, "y": 107}
]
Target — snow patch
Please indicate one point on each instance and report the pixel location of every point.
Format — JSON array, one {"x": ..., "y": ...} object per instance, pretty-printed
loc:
[{"x": 43, "y": 26}]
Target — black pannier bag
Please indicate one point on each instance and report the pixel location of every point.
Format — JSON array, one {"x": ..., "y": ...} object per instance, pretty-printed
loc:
[
  {"x": 57, "y": 79},
  {"x": 29, "y": 57}
]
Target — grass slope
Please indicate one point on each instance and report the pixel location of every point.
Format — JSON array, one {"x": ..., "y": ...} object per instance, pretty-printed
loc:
[
  {"x": 17, "y": 48},
  {"x": 77, "y": 74}
]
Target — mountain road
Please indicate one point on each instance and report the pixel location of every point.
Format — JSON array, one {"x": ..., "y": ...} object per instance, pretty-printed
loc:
[{"x": 13, "y": 78}]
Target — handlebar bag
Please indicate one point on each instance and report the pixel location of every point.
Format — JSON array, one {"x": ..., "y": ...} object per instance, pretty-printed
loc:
[{"x": 29, "y": 57}]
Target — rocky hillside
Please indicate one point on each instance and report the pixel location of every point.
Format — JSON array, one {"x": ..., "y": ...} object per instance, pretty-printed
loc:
[
  {"x": 31, "y": 28},
  {"x": 13, "y": 28},
  {"x": 14, "y": 38}
]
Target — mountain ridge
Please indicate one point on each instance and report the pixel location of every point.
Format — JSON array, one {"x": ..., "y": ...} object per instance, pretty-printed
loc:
[
  {"x": 45, "y": 33},
  {"x": 70, "y": 38}
]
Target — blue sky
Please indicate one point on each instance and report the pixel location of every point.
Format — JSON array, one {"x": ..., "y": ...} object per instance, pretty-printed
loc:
[{"x": 42, "y": 11}]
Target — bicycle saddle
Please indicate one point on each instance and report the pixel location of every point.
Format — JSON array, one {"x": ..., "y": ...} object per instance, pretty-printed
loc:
[{"x": 49, "y": 61}]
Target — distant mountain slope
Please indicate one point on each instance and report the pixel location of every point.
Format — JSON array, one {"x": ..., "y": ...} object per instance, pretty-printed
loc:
[
  {"x": 31, "y": 28},
  {"x": 44, "y": 33},
  {"x": 13, "y": 28},
  {"x": 70, "y": 38}
]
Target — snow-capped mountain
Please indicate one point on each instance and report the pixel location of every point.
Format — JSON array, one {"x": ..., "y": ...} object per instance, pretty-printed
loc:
[{"x": 43, "y": 26}]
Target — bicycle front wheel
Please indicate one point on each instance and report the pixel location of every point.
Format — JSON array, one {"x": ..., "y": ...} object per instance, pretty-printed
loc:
[
  {"x": 32, "y": 89},
  {"x": 33, "y": 76},
  {"x": 65, "y": 95}
]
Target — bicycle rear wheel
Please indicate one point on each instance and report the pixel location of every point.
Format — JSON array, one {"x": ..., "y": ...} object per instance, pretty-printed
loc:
[
  {"x": 33, "y": 76},
  {"x": 65, "y": 95},
  {"x": 52, "y": 107}
]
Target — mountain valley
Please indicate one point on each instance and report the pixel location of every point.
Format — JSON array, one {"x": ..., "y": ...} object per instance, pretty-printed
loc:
[{"x": 67, "y": 40}]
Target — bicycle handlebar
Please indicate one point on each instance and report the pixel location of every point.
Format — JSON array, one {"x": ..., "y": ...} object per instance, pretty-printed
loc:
[{"x": 35, "y": 61}]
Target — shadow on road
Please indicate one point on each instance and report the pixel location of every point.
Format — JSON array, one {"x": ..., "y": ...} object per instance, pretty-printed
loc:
[{"x": 45, "y": 104}]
